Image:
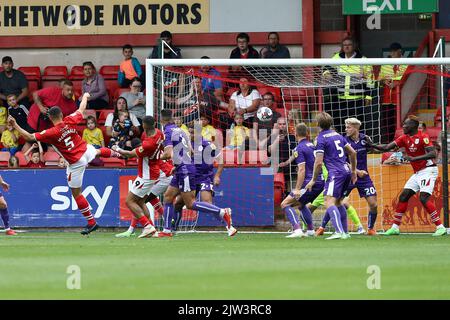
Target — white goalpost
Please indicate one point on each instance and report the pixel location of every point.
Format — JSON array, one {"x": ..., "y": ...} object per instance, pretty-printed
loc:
[{"x": 301, "y": 88}]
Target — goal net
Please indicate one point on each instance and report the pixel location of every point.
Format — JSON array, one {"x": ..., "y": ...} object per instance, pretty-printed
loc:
[{"x": 231, "y": 98}]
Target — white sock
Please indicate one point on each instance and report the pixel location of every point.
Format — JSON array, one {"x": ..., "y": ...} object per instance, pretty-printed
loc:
[
  {"x": 167, "y": 231},
  {"x": 222, "y": 212},
  {"x": 130, "y": 229},
  {"x": 440, "y": 226},
  {"x": 395, "y": 226}
]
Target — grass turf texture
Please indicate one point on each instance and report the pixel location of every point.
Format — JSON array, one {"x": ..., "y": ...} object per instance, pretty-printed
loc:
[{"x": 213, "y": 266}]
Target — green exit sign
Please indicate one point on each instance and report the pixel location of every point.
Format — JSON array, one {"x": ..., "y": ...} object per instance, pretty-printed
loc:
[{"x": 360, "y": 7}]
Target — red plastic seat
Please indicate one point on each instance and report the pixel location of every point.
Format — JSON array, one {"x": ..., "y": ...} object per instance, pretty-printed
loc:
[
  {"x": 275, "y": 91},
  {"x": 31, "y": 73},
  {"x": 255, "y": 157},
  {"x": 51, "y": 158},
  {"x": 4, "y": 158},
  {"x": 21, "y": 158},
  {"x": 113, "y": 162},
  {"x": 102, "y": 115},
  {"x": 438, "y": 116},
  {"x": 110, "y": 72},
  {"x": 118, "y": 92},
  {"x": 132, "y": 162},
  {"x": 90, "y": 112},
  {"x": 55, "y": 71},
  {"x": 76, "y": 73},
  {"x": 230, "y": 157}
]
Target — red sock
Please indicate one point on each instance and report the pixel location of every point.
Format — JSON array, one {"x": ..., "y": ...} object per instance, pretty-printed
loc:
[
  {"x": 157, "y": 206},
  {"x": 399, "y": 211},
  {"x": 85, "y": 210},
  {"x": 134, "y": 222},
  {"x": 105, "y": 152},
  {"x": 431, "y": 209},
  {"x": 144, "y": 221}
]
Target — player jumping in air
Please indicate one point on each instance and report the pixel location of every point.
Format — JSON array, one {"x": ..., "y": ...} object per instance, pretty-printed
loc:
[
  {"x": 148, "y": 174},
  {"x": 156, "y": 190},
  {"x": 299, "y": 197},
  {"x": 359, "y": 142},
  {"x": 178, "y": 148},
  {"x": 4, "y": 209},
  {"x": 204, "y": 155},
  {"x": 331, "y": 149},
  {"x": 421, "y": 153},
  {"x": 66, "y": 140}
]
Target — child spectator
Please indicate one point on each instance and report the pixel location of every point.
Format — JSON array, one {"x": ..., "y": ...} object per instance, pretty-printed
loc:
[
  {"x": 92, "y": 134},
  {"x": 208, "y": 131},
  {"x": 62, "y": 163},
  {"x": 13, "y": 162},
  {"x": 239, "y": 134},
  {"x": 130, "y": 67},
  {"x": 123, "y": 132},
  {"x": 3, "y": 116},
  {"x": 179, "y": 123},
  {"x": 10, "y": 139},
  {"x": 18, "y": 112},
  {"x": 37, "y": 156}
]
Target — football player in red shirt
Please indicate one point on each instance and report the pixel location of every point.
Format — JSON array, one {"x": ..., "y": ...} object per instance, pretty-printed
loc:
[
  {"x": 149, "y": 172},
  {"x": 421, "y": 153},
  {"x": 66, "y": 140}
]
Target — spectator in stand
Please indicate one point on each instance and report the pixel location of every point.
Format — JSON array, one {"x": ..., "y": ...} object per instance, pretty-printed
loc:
[
  {"x": 121, "y": 105},
  {"x": 274, "y": 50},
  {"x": 208, "y": 131},
  {"x": 130, "y": 68},
  {"x": 169, "y": 52},
  {"x": 18, "y": 112},
  {"x": 13, "y": 162},
  {"x": 13, "y": 81},
  {"x": 3, "y": 116},
  {"x": 239, "y": 134},
  {"x": 284, "y": 143},
  {"x": 242, "y": 51},
  {"x": 390, "y": 77},
  {"x": 62, "y": 163},
  {"x": 95, "y": 85},
  {"x": 47, "y": 98},
  {"x": 123, "y": 132},
  {"x": 211, "y": 85},
  {"x": 10, "y": 140},
  {"x": 179, "y": 123},
  {"x": 135, "y": 99},
  {"x": 92, "y": 134},
  {"x": 37, "y": 156},
  {"x": 245, "y": 102},
  {"x": 263, "y": 129}
]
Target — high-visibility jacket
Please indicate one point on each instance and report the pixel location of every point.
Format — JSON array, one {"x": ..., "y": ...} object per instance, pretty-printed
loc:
[
  {"x": 391, "y": 72},
  {"x": 354, "y": 81}
]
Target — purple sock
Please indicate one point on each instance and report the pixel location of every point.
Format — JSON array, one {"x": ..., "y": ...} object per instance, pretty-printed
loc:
[
  {"x": 292, "y": 216},
  {"x": 177, "y": 217},
  {"x": 5, "y": 217},
  {"x": 307, "y": 216},
  {"x": 168, "y": 216},
  {"x": 207, "y": 207},
  {"x": 335, "y": 217},
  {"x": 372, "y": 219},
  {"x": 343, "y": 213},
  {"x": 325, "y": 219}
]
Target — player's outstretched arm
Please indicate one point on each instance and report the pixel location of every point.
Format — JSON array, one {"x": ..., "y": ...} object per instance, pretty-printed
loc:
[
  {"x": 27, "y": 136},
  {"x": 383, "y": 147},
  {"x": 125, "y": 153}
]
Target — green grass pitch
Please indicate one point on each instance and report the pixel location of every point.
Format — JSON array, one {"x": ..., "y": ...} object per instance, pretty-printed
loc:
[{"x": 212, "y": 266}]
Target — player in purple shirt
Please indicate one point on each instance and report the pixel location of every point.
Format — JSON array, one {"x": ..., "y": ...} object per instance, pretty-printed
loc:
[
  {"x": 304, "y": 158},
  {"x": 178, "y": 148},
  {"x": 331, "y": 149}
]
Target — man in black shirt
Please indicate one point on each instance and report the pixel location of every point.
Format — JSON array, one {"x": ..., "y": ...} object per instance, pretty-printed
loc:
[{"x": 13, "y": 81}]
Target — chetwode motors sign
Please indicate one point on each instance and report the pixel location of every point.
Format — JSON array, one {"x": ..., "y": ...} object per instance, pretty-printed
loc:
[
  {"x": 360, "y": 7},
  {"x": 68, "y": 17}
]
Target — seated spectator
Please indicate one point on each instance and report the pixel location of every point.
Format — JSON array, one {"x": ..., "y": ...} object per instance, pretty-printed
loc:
[
  {"x": 37, "y": 156},
  {"x": 165, "y": 51},
  {"x": 18, "y": 112},
  {"x": 130, "y": 68},
  {"x": 208, "y": 131},
  {"x": 13, "y": 81},
  {"x": 47, "y": 98},
  {"x": 121, "y": 105},
  {"x": 3, "y": 116},
  {"x": 13, "y": 162},
  {"x": 179, "y": 123},
  {"x": 123, "y": 132},
  {"x": 274, "y": 50},
  {"x": 92, "y": 134},
  {"x": 10, "y": 140},
  {"x": 263, "y": 129},
  {"x": 245, "y": 102},
  {"x": 242, "y": 51},
  {"x": 62, "y": 163},
  {"x": 94, "y": 84},
  {"x": 239, "y": 134},
  {"x": 211, "y": 86},
  {"x": 135, "y": 99}
]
